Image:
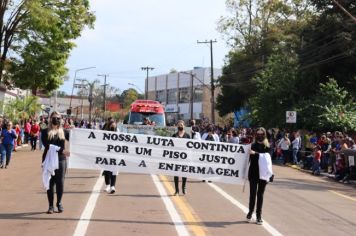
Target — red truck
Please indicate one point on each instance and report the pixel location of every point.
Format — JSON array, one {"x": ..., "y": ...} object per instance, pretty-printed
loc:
[{"x": 149, "y": 109}]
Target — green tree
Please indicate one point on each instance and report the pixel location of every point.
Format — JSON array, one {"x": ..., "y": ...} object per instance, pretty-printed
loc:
[
  {"x": 275, "y": 92},
  {"x": 128, "y": 96},
  {"x": 329, "y": 48},
  {"x": 255, "y": 29},
  {"x": 19, "y": 108},
  {"x": 332, "y": 108},
  {"x": 39, "y": 35}
]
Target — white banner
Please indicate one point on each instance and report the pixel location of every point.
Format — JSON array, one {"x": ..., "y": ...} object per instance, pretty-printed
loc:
[{"x": 147, "y": 154}]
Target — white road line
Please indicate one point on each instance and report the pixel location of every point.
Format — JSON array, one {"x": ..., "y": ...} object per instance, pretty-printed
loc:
[
  {"x": 266, "y": 225},
  {"x": 176, "y": 219},
  {"x": 84, "y": 220}
]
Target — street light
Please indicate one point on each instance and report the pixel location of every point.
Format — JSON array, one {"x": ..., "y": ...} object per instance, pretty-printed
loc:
[
  {"x": 134, "y": 85},
  {"x": 64, "y": 78},
  {"x": 75, "y": 76}
]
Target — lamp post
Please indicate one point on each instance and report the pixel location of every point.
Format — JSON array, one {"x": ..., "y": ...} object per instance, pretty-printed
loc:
[
  {"x": 64, "y": 78},
  {"x": 75, "y": 76}
]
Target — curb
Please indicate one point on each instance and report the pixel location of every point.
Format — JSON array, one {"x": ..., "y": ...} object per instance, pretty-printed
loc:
[{"x": 329, "y": 176}]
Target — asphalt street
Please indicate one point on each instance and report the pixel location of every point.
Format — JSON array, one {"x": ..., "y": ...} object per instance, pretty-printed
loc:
[{"x": 296, "y": 203}]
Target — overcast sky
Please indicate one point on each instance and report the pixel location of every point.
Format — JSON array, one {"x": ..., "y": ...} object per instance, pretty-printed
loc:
[{"x": 130, "y": 34}]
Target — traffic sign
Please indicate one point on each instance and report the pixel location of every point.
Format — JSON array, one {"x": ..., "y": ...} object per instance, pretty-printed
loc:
[{"x": 291, "y": 117}]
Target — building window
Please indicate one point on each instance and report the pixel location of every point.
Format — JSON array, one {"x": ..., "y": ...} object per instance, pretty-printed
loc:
[
  {"x": 160, "y": 96},
  {"x": 172, "y": 96},
  {"x": 198, "y": 94},
  {"x": 183, "y": 95}
]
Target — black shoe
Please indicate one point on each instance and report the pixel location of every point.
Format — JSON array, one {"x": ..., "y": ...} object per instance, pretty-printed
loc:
[
  {"x": 176, "y": 193},
  {"x": 259, "y": 221},
  {"x": 184, "y": 191},
  {"x": 249, "y": 217},
  {"x": 50, "y": 210},
  {"x": 60, "y": 207}
]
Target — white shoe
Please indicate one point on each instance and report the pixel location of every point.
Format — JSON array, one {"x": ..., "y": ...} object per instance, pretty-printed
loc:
[
  {"x": 107, "y": 189},
  {"x": 112, "y": 189}
]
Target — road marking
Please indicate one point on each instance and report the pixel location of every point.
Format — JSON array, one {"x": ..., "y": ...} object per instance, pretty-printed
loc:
[
  {"x": 84, "y": 220},
  {"x": 195, "y": 223},
  {"x": 176, "y": 219},
  {"x": 342, "y": 195},
  {"x": 266, "y": 225}
]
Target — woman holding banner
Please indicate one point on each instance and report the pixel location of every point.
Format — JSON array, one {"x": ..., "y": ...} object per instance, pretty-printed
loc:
[
  {"x": 259, "y": 149},
  {"x": 55, "y": 136},
  {"x": 110, "y": 177},
  {"x": 180, "y": 134}
]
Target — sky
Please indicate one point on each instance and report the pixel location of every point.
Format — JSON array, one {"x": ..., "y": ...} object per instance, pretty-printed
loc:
[{"x": 130, "y": 34}]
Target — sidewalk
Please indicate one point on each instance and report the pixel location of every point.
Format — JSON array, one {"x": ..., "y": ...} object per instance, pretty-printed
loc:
[{"x": 329, "y": 176}]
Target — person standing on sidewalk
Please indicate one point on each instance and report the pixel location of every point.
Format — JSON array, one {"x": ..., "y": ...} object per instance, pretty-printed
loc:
[
  {"x": 296, "y": 145},
  {"x": 34, "y": 133},
  {"x": 8, "y": 137},
  {"x": 56, "y": 136},
  {"x": 284, "y": 146},
  {"x": 180, "y": 134},
  {"x": 110, "y": 177},
  {"x": 257, "y": 185}
]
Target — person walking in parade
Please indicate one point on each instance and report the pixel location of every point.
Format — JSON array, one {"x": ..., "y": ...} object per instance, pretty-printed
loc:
[
  {"x": 110, "y": 177},
  {"x": 8, "y": 137},
  {"x": 34, "y": 133},
  {"x": 27, "y": 129},
  {"x": 43, "y": 129},
  {"x": 257, "y": 185},
  {"x": 180, "y": 134},
  {"x": 56, "y": 136}
]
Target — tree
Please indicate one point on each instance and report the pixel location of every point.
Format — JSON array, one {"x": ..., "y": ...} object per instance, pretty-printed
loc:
[
  {"x": 276, "y": 92},
  {"x": 39, "y": 35},
  {"x": 255, "y": 31},
  {"x": 112, "y": 94},
  {"x": 329, "y": 48},
  {"x": 332, "y": 108},
  {"x": 19, "y": 108},
  {"x": 128, "y": 96}
]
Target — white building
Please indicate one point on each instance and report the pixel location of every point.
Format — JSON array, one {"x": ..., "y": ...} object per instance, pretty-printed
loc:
[
  {"x": 80, "y": 105},
  {"x": 174, "y": 90},
  {"x": 7, "y": 95}
]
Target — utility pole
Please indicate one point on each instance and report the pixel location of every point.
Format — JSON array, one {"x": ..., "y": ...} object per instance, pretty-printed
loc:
[
  {"x": 105, "y": 84},
  {"x": 147, "y": 69},
  {"x": 191, "y": 96},
  {"x": 212, "y": 85}
]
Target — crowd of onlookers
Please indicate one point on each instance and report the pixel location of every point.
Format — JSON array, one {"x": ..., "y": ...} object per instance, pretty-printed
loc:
[{"x": 320, "y": 152}]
